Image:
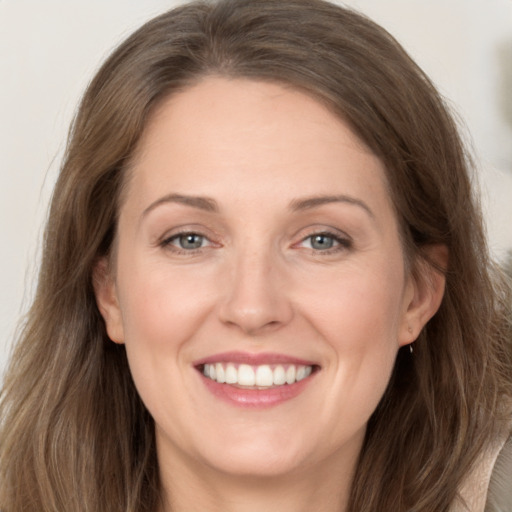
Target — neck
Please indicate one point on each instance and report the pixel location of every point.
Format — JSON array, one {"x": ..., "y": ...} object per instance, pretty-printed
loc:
[{"x": 189, "y": 487}]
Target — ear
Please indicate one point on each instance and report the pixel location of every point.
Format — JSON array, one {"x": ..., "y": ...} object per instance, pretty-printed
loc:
[
  {"x": 424, "y": 292},
  {"x": 106, "y": 299}
]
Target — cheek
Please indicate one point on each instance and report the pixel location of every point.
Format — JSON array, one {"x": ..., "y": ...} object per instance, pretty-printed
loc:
[
  {"x": 363, "y": 333},
  {"x": 359, "y": 320},
  {"x": 162, "y": 311},
  {"x": 162, "y": 306},
  {"x": 359, "y": 309}
]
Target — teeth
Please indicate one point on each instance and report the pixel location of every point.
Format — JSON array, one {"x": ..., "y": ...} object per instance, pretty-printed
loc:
[
  {"x": 279, "y": 376},
  {"x": 262, "y": 376},
  {"x": 246, "y": 375},
  {"x": 221, "y": 374},
  {"x": 231, "y": 374},
  {"x": 290, "y": 375}
]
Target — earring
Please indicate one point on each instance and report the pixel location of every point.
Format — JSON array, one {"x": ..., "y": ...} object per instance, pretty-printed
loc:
[{"x": 411, "y": 350}]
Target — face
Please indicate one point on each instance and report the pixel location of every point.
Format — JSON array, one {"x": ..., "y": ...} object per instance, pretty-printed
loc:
[{"x": 257, "y": 244}]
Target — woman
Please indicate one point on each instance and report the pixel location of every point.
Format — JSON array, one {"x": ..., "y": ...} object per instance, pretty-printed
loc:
[{"x": 264, "y": 281}]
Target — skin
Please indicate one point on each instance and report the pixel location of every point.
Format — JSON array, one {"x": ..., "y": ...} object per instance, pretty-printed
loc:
[{"x": 257, "y": 284}]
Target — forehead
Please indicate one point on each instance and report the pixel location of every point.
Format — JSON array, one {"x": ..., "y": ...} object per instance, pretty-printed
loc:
[{"x": 243, "y": 134}]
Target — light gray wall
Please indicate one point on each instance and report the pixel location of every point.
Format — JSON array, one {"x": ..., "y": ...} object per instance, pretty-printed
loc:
[{"x": 50, "y": 49}]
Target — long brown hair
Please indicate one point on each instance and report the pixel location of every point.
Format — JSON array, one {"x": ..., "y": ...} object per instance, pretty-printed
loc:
[{"x": 75, "y": 435}]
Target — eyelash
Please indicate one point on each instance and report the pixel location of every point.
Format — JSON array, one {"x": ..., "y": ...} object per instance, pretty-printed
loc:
[{"x": 341, "y": 243}]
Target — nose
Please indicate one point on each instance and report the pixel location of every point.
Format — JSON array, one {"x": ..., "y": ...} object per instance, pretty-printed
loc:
[{"x": 256, "y": 299}]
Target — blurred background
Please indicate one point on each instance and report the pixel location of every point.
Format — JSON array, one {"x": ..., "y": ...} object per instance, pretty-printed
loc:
[{"x": 50, "y": 50}]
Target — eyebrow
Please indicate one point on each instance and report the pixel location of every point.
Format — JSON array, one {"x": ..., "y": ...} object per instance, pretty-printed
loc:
[
  {"x": 202, "y": 203},
  {"x": 210, "y": 205},
  {"x": 316, "y": 201}
]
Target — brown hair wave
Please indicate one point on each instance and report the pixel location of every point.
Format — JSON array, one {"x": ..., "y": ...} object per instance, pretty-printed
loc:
[{"x": 74, "y": 434}]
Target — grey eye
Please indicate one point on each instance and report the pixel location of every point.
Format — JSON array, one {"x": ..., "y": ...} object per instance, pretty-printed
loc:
[
  {"x": 190, "y": 241},
  {"x": 321, "y": 242}
]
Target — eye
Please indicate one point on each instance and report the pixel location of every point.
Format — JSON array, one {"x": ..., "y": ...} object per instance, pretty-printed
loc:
[
  {"x": 326, "y": 242},
  {"x": 190, "y": 241},
  {"x": 321, "y": 242},
  {"x": 187, "y": 241}
]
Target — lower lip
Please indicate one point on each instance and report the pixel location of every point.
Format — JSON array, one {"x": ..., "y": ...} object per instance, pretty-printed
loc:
[{"x": 256, "y": 398}]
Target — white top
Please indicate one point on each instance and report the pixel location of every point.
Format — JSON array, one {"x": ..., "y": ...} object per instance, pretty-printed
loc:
[{"x": 488, "y": 488}]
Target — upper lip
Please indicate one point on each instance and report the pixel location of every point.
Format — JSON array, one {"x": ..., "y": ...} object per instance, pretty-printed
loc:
[{"x": 253, "y": 359}]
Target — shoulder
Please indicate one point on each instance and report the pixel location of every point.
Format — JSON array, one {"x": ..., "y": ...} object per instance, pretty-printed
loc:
[
  {"x": 499, "y": 495},
  {"x": 488, "y": 487}
]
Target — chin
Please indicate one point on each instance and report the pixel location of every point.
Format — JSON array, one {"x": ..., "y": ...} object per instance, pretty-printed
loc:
[
  {"x": 244, "y": 450},
  {"x": 257, "y": 463}
]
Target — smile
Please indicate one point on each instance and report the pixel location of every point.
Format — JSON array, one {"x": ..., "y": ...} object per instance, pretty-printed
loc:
[
  {"x": 258, "y": 376},
  {"x": 258, "y": 381}
]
